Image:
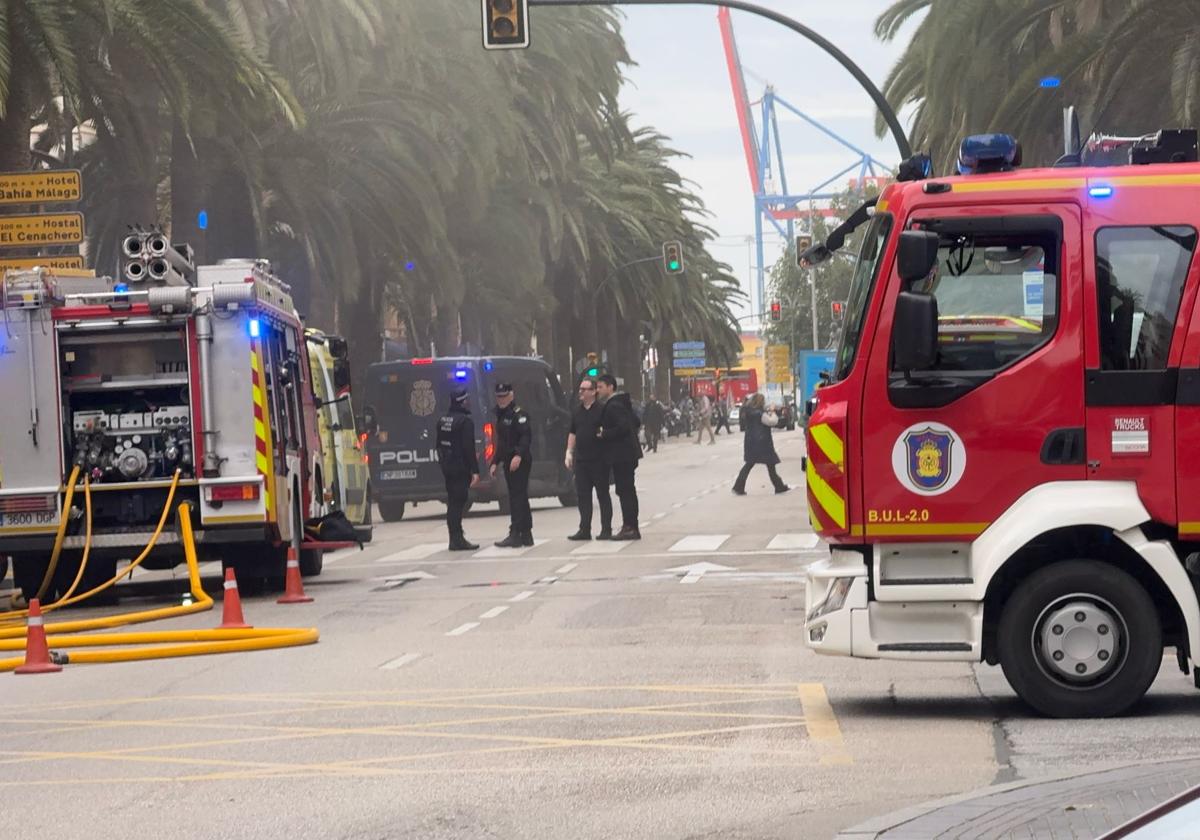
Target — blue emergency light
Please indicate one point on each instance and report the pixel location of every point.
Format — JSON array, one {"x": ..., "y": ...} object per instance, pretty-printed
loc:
[
  {"x": 460, "y": 374},
  {"x": 255, "y": 328},
  {"x": 981, "y": 153},
  {"x": 487, "y": 365},
  {"x": 121, "y": 288},
  {"x": 1101, "y": 191},
  {"x": 1050, "y": 82}
]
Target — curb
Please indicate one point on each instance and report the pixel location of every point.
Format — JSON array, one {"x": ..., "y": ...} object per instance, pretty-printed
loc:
[{"x": 878, "y": 828}]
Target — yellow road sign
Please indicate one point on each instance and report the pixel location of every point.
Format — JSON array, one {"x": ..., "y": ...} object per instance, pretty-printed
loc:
[
  {"x": 53, "y": 187},
  {"x": 18, "y": 263},
  {"x": 48, "y": 229},
  {"x": 778, "y": 363}
]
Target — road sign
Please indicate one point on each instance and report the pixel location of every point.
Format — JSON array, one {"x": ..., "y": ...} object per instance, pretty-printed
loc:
[
  {"x": 49, "y": 187},
  {"x": 812, "y": 364},
  {"x": 778, "y": 364},
  {"x": 688, "y": 355},
  {"x": 19, "y": 263},
  {"x": 689, "y": 363},
  {"x": 688, "y": 348},
  {"x": 48, "y": 229}
]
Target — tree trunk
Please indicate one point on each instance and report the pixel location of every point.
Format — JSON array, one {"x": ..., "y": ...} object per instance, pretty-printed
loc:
[{"x": 14, "y": 128}]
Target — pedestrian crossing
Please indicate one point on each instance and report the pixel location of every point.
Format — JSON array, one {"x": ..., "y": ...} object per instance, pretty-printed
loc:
[{"x": 691, "y": 544}]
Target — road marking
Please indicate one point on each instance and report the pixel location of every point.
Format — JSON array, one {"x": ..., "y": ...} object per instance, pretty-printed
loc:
[
  {"x": 822, "y": 725},
  {"x": 463, "y": 628},
  {"x": 695, "y": 571},
  {"x": 496, "y": 551},
  {"x": 547, "y": 580},
  {"x": 659, "y": 516},
  {"x": 793, "y": 541},
  {"x": 416, "y": 552},
  {"x": 678, "y": 504},
  {"x": 602, "y": 547},
  {"x": 399, "y": 662},
  {"x": 493, "y": 612},
  {"x": 521, "y": 596},
  {"x": 567, "y": 569},
  {"x": 700, "y": 542}
]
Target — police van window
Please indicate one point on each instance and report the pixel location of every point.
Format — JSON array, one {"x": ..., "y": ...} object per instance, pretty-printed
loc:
[
  {"x": 996, "y": 292},
  {"x": 1139, "y": 283}
]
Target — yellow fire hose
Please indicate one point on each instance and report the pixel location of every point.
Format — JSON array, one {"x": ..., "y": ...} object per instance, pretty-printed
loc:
[
  {"x": 59, "y": 534},
  {"x": 67, "y": 600},
  {"x": 167, "y": 644}
]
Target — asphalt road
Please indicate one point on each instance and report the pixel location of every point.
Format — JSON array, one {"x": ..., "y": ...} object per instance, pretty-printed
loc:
[{"x": 564, "y": 691}]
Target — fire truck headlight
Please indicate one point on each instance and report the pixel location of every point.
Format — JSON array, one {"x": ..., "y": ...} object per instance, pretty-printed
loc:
[{"x": 834, "y": 599}]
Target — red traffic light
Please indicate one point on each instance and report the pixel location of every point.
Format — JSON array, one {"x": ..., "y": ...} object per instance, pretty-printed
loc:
[
  {"x": 776, "y": 311},
  {"x": 838, "y": 308}
]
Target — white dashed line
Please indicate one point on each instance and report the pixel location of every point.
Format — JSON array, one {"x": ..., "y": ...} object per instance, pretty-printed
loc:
[
  {"x": 678, "y": 504},
  {"x": 658, "y": 516},
  {"x": 700, "y": 542},
  {"x": 602, "y": 547},
  {"x": 521, "y": 596},
  {"x": 416, "y": 552},
  {"x": 493, "y": 612},
  {"x": 463, "y": 628},
  {"x": 780, "y": 541},
  {"x": 567, "y": 569},
  {"x": 548, "y": 579},
  {"x": 399, "y": 662}
]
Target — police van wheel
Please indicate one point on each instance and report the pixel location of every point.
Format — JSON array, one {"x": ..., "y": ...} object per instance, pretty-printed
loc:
[
  {"x": 391, "y": 510},
  {"x": 1080, "y": 639}
]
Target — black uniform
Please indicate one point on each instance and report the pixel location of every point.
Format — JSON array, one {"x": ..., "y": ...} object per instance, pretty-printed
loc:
[
  {"x": 456, "y": 454},
  {"x": 591, "y": 470},
  {"x": 514, "y": 436}
]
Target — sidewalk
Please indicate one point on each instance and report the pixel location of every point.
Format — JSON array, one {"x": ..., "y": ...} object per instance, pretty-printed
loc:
[{"x": 1080, "y": 807}]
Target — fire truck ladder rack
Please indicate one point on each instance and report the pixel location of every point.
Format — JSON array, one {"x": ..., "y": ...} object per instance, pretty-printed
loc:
[{"x": 776, "y": 204}]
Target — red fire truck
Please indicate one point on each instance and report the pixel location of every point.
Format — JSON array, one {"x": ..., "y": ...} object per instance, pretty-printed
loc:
[{"x": 1005, "y": 460}]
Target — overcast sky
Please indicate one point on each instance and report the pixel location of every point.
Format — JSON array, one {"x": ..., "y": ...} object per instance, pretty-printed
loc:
[{"x": 681, "y": 86}]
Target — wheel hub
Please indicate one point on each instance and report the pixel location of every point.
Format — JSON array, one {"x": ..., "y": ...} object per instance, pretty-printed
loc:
[{"x": 1080, "y": 641}]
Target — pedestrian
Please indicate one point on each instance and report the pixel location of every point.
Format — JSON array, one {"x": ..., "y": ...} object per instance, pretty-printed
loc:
[
  {"x": 723, "y": 417},
  {"x": 585, "y": 455},
  {"x": 654, "y": 418},
  {"x": 687, "y": 412},
  {"x": 618, "y": 430},
  {"x": 704, "y": 410},
  {"x": 759, "y": 445},
  {"x": 514, "y": 432},
  {"x": 460, "y": 466}
]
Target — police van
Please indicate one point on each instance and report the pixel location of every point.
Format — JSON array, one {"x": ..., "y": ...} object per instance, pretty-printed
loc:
[{"x": 406, "y": 398}]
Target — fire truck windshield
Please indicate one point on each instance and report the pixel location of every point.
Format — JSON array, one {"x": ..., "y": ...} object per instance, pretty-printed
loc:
[{"x": 870, "y": 253}]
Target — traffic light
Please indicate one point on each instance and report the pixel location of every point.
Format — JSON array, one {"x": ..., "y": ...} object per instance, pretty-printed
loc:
[
  {"x": 776, "y": 311},
  {"x": 593, "y": 366},
  {"x": 839, "y": 310},
  {"x": 505, "y": 24},
  {"x": 803, "y": 242},
  {"x": 673, "y": 257}
]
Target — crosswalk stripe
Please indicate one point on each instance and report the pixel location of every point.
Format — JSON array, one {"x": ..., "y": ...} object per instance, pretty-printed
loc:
[
  {"x": 496, "y": 551},
  {"x": 416, "y": 552},
  {"x": 600, "y": 547},
  {"x": 793, "y": 541},
  {"x": 700, "y": 542}
]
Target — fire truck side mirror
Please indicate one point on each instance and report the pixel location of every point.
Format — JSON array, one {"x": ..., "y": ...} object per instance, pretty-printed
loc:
[
  {"x": 917, "y": 254},
  {"x": 914, "y": 332}
]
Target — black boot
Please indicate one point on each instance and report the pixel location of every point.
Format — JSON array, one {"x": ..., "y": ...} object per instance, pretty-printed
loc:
[
  {"x": 605, "y": 534},
  {"x": 460, "y": 543},
  {"x": 628, "y": 532},
  {"x": 513, "y": 540},
  {"x": 581, "y": 535},
  {"x": 527, "y": 538}
]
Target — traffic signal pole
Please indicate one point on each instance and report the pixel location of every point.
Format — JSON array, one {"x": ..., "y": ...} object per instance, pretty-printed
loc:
[{"x": 862, "y": 78}]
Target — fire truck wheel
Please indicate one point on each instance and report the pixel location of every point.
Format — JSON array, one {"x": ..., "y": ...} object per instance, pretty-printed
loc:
[
  {"x": 391, "y": 510},
  {"x": 1080, "y": 639}
]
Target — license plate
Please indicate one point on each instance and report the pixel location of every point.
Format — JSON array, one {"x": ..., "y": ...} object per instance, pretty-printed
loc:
[
  {"x": 26, "y": 520},
  {"x": 397, "y": 475}
]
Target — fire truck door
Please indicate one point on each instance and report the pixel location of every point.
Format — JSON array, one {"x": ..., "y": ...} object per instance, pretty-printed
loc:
[
  {"x": 1134, "y": 358},
  {"x": 946, "y": 451}
]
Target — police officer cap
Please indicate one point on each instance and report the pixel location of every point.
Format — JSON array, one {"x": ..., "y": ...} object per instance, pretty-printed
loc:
[
  {"x": 503, "y": 388},
  {"x": 459, "y": 395}
]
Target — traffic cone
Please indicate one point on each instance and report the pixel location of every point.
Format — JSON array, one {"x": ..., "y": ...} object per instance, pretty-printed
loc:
[
  {"x": 37, "y": 653},
  {"x": 293, "y": 591},
  {"x": 231, "y": 605}
]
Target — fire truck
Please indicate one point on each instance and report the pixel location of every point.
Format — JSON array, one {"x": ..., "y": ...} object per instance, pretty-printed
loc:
[
  {"x": 175, "y": 382},
  {"x": 1005, "y": 461}
]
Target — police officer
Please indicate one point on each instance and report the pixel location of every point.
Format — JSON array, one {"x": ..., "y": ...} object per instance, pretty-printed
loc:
[
  {"x": 460, "y": 467},
  {"x": 514, "y": 434}
]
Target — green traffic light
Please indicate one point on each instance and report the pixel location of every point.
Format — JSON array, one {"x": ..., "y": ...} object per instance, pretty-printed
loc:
[
  {"x": 593, "y": 371},
  {"x": 673, "y": 265}
]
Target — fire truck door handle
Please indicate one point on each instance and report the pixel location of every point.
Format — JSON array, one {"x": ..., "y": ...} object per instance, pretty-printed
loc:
[{"x": 1093, "y": 465}]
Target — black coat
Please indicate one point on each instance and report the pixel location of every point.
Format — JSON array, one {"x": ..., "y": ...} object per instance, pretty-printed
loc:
[
  {"x": 759, "y": 445},
  {"x": 620, "y": 431}
]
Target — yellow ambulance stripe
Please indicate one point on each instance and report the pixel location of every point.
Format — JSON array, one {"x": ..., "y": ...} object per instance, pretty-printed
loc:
[
  {"x": 830, "y": 444},
  {"x": 826, "y": 496}
]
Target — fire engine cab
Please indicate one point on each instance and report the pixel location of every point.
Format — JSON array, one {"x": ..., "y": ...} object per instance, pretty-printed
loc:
[
  {"x": 1006, "y": 459},
  {"x": 175, "y": 383}
]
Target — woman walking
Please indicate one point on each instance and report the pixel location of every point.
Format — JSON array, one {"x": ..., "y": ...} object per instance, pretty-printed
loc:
[{"x": 759, "y": 447}]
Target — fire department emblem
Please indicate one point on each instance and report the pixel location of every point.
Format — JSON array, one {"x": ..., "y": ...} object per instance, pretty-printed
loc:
[
  {"x": 929, "y": 458},
  {"x": 422, "y": 401}
]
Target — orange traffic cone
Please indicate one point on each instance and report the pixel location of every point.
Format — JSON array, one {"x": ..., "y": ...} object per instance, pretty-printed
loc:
[
  {"x": 231, "y": 606},
  {"x": 37, "y": 653},
  {"x": 293, "y": 592}
]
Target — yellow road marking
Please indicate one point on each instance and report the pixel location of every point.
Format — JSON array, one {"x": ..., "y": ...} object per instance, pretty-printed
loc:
[{"x": 822, "y": 724}]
